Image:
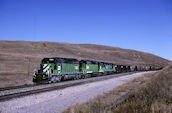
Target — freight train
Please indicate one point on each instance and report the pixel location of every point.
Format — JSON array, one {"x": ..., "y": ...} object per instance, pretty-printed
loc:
[{"x": 57, "y": 69}]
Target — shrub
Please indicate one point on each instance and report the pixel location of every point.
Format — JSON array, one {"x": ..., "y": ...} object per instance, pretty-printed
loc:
[{"x": 45, "y": 44}]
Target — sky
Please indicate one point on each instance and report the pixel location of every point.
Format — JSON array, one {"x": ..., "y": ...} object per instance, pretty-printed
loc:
[{"x": 144, "y": 25}]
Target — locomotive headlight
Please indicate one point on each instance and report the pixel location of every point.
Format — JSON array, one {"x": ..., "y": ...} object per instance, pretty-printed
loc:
[{"x": 59, "y": 68}]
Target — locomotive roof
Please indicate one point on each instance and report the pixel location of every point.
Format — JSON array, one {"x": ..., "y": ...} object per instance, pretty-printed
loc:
[
  {"x": 89, "y": 62},
  {"x": 61, "y": 60},
  {"x": 108, "y": 63}
]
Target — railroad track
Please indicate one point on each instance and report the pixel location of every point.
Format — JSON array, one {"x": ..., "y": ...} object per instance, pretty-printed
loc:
[{"x": 10, "y": 93}]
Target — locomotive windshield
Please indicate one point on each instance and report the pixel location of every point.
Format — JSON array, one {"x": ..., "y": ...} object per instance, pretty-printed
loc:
[{"x": 48, "y": 60}]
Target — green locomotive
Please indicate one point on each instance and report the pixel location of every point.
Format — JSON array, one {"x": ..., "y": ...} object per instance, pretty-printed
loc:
[{"x": 56, "y": 69}]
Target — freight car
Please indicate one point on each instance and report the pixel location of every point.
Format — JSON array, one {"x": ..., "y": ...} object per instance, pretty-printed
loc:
[{"x": 56, "y": 69}]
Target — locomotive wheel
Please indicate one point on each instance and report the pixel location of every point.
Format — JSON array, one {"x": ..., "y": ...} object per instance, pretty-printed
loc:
[
  {"x": 52, "y": 79},
  {"x": 82, "y": 76},
  {"x": 78, "y": 77},
  {"x": 56, "y": 79}
]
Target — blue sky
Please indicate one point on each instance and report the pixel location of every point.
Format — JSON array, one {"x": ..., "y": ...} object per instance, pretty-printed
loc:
[{"x": 144, "y": 25}]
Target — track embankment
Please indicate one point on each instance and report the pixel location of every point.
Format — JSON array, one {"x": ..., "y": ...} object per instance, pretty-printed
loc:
[
  {"x": 9, "y": 93},
  {"x": 60, "y": 99}
]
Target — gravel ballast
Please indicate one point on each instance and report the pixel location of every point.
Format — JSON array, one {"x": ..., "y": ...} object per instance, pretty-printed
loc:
[
  {"x": 58, "y": 100},
  {"x": 52, "y": 86}
]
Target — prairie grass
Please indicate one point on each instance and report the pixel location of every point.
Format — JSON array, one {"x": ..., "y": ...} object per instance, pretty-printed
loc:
[{"x": 147, "y": 94}]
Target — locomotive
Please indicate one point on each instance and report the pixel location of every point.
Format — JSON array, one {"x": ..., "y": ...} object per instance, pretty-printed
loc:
[{"x": 57, "y": 69}]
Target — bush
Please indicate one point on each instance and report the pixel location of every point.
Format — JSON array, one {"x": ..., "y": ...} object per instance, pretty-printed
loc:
[{"x": 45, "y": 44}]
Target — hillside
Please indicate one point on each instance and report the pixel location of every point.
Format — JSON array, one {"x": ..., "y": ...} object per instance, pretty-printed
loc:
[{"x": 19, "y": 59}]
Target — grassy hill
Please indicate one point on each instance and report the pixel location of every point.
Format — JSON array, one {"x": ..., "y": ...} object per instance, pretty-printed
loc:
[{"x": 19, "y": 59}]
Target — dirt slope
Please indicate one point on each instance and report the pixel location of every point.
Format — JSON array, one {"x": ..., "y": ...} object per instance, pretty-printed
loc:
[{"x": 19, "y": 59}]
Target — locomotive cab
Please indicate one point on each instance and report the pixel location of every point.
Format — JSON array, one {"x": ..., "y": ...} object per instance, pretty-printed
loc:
[{"x": 46, "y": 70}]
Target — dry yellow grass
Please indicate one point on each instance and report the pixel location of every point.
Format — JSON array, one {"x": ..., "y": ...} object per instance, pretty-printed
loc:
[
  {"x": 153, "y": 94},
  {"x": 132, "y": 83}
]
